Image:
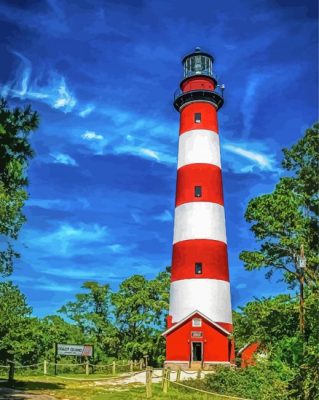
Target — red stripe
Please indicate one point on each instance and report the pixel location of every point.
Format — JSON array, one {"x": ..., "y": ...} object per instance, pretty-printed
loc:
[
  {"x": 197, "y": 83},
  {"x": 208, "y": 176},
  {"x": 211, "y": 253},
  {"x": 208, "y": 117}
]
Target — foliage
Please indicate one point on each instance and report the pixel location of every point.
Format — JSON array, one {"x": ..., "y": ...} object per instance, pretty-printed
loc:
[
  {"x": 257, "y": 382},
  {"x": 15, "y": 152},
  {"x": 92, "y": 313},
  {"x": 16, "y": 326},
  {"x": 266, "y": 320},
  {"x": 287, "y": 218},
  {"x": 125, "y": 324},
  {"x": 140, "y": 307}
]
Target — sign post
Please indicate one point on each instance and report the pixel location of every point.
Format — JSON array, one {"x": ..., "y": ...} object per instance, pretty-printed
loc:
[{"x": 80, "y": 350}]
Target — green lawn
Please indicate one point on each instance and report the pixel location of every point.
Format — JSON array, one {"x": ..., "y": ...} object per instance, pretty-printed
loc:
[{"x": 76, "y": 390}]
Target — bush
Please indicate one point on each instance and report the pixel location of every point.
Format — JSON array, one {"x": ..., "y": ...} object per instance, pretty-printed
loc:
[{"x": 261, "y": 382}]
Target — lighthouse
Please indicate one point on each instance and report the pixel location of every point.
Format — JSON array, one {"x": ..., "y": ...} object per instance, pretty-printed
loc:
[{"x": 199, "y": 324}]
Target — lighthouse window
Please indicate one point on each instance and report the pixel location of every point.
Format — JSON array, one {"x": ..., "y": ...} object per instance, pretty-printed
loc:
[
  {"x": 198, "y": 268},
  {"x": 197, "y": 322},
  {"x": 197, "y": 118},
  {"x": 198, "y": 191}
]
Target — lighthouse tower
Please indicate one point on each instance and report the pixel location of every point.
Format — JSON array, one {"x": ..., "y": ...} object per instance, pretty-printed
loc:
[{"x": 199, "y": 324}]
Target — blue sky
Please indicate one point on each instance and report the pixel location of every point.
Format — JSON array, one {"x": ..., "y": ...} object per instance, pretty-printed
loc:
[{"x": 102, "y": 76}]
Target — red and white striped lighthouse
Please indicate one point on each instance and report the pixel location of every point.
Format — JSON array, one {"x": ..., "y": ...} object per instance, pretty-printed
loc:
[{"x": 199, "y": 324}]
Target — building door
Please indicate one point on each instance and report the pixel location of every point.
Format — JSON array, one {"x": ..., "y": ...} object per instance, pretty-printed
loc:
[{"x": 197, "y": 351}]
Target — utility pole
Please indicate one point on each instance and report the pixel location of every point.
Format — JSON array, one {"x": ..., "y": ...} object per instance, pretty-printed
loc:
[{"x": 301, "y": 265}]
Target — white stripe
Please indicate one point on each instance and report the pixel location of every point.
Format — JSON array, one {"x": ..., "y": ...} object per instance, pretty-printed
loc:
[
  {"x": 209, "y": 296},
  {"x": 198, "y": 146},
  {"x": 199, "y": 220}
]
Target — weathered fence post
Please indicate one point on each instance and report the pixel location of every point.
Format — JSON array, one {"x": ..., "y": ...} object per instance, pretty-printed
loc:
[
  {"x": 148, "y": 377},
  {"x": 45, "y": 367},
  {"x": 141, "y": 364},
  {"x": 163, "y": 376},
  {"x": 168, "y": 376},
  {"x": 178, "y": 374},
  {"x": 199, "y": 373},
  {"x": 113, "y": 368},
  {"x": 165, "y": 381},
  {"x": 131, "y": 366},
  {"x": 11, "y": 372},
  {"x": 87, "y": 365}
]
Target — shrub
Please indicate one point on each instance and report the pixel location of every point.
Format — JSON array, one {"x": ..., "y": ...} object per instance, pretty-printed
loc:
[{"x": 261, "y": 382}]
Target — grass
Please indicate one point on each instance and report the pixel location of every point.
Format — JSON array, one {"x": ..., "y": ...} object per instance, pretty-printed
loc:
[{"x": 76, "y": 390}]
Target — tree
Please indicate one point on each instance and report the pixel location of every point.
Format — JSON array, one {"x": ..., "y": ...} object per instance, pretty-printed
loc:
[
  {"x": 266, "y": 320},
  {"x": 92, "y": 313},
  {"x": 16, "y": 325},
  {"x": 15, "y": 153},
  {"x": 140, "y": 307},
  {"x": 287, "y": 219}
]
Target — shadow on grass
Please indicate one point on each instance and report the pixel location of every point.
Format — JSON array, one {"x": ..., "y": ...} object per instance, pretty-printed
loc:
[{"x": 33, "y": 385}]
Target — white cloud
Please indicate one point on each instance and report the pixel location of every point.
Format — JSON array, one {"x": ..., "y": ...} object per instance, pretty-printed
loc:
[
  {"x": 91, "y": 135},
  {"x": 57, "y": 204},
  {"x": 65, "y": 98},
  {"x": 55, "y": 93},
  {"x": 261, "y": 161},
  {"x": 61, "y": 158},
  {"x": 241, "y": 286},
  {"x": 166, "y": 216},
  {"x": 144, "y": 152},
  {"x": 86, "y": 111},
  {"x": 68, "y": 240},
  {"x": 150, "y": 153},
  {"x": 119, "y": 248}
]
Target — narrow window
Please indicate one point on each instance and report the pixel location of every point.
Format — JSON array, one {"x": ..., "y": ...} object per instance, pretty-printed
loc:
[
  {"x": 198, "y": 268},
  {"x": 197, "y": 118},
  {"x": 198, "y": 191}
]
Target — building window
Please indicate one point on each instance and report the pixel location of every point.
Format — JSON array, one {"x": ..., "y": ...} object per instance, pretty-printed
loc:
[
  {"x": 198, "y": 268},
  {"x": 197, "y": 334},
  {"x": 197, "y": 322},
  {"x": 197, "y": 118},
  {"x": 198, "y": 191}
]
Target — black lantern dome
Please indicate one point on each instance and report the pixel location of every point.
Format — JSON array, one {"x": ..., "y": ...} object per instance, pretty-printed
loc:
[{"x": 198, "y": 63}]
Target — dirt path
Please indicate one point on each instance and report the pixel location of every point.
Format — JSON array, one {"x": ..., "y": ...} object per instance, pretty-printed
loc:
[
  {"x": 12, "y": 394},
  {"x": 140, "y": 377}
]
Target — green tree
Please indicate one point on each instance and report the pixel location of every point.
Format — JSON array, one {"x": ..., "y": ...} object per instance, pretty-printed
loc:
[
  {"x": 16, "y": 325},
  {"x": 15, "y": 152},
  {"x": 140, "y": 308},
  {"x": 91, "y": 311},
  {"x": 266, "y": 320},
  {"x": 55, "y": 329},
  {"x": 287, "y": 219}
]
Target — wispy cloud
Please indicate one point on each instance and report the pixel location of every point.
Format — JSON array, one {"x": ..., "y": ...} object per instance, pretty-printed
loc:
[
  {"x": 65, "y": 98},
  {"x": 68, "y": 240},
  {"x": 58, "y": 204},
  {"x": 257, "y": 159},
  {"x": 118, "y": 248},
  {"x": 44, "y": 283},
  {"x": 164, "y": 158},
  {"x": 166, "y": 216},
  {"x": 86, "y": 111},
  {"x": 91, "y": 135},
  {"x": 62, "y": 158},
  {"x": 55, "y": 93}
]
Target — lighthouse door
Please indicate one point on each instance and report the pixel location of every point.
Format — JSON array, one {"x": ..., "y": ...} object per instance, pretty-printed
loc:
[{"x": 197, "y": 351}]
